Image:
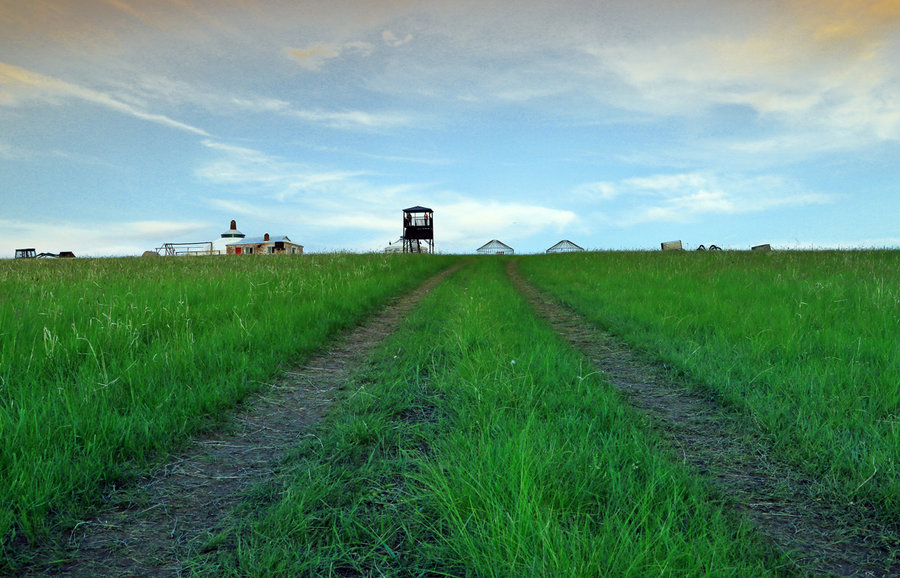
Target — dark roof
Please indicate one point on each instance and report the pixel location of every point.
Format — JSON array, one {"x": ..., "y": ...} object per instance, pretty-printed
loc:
[{"x": 418, "y": 209}]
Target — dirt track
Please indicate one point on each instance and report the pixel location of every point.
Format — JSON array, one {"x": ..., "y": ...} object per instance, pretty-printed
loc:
[
  {"x": 820, "y": 536},
  {"x": 151, "y": 528}
]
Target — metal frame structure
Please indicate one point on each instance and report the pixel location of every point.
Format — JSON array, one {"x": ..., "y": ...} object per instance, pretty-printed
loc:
[{"x": 179, "y": 249}]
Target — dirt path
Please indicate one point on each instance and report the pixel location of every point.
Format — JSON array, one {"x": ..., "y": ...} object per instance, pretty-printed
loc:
[
  {"x": 820, "y": 536},
  {"x": 151, "y": 528}
]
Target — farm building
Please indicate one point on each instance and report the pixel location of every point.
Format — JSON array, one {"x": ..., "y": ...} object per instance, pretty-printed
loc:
[
  {"x": 565, "y": 246},
  {"x": 495, "y": 247},
  {"x": 233, "y": 242},
  {"x": 264, "y": 245}
]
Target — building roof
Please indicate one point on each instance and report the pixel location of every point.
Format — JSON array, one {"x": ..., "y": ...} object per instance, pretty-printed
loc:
[
  {"x": 233, "y": 232},
  {"x": 261, "y": 240},
  {"x": 564, "y": 246},
  {"x": 495, "y": 245},
  {"x": 418, "y": 209}
]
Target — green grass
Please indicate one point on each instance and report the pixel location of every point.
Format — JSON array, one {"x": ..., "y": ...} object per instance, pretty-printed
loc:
[
  {"x": 805, "y": 343},
  {"x": 477, "y": 443},
  {"x": 107, "y": 364}
]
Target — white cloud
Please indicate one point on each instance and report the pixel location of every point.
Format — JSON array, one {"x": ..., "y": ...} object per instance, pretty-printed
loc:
[
  {"x": 391, "y": 39},
  {"x": 96, "y": 239},
  {"x": 173, "y": 92},
  {"x": 686, "y": 197},
  {"x": 10, "y": 152},
  {"x": 464, "y": 221},
  {"x": 667, "y": 183},
  {"x": 598, "y": 190},
  {"x": 352, "y": 119},
  {"x": 20, "y": 84},
  {"x": 253, "y": 172}
]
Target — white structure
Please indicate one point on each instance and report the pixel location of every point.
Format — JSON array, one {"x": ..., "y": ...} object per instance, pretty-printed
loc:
[
  {"x": 671, "y": 246},
  {"x": 233, "y": 242},
  {"x": 229, "y": 236},
  {"x": 565, "y": 246},
  {"x": 495, "y": 247}
]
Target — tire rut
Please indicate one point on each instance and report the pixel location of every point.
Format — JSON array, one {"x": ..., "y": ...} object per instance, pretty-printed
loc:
[
  {"x": 152, "y": 527},
  {"x": 817, "y": 534}
]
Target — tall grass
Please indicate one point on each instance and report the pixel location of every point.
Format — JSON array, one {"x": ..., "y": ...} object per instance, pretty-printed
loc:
[
  {"x": 106, "y": 364},
  {"x": 805, "y": 342},
  {"x": 477, "y": 443}
]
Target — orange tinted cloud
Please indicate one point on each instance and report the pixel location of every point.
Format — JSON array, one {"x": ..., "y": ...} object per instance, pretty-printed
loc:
[
  {"x": 17, "y": 83},
  {"x": 843, "y": 22},
  {"x": 312, "y": 58}
]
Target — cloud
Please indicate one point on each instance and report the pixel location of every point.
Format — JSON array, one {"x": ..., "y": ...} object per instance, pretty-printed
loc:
[
  {"x": 797, "y": 76},
  {"x": 687, "y": 197},
  {"x": 96, "y": 239},
  {"x": 352, "y": 119},
  {"x": 18, "y": 83},
  {"x": 254, "y": 172},
  {"x": 155, "y": 87},
  {"x": 314, "y": 57},
  {"x": 390, "y": 39},
  {"x": 345, "y": 204},
  {"x": 839, "y": 22},
  {"x": 465, "y": 221},
  {"x": 11, "y": 153},
  {"x": 598, "y": 190},
  {"x": 462, "y": 223}
]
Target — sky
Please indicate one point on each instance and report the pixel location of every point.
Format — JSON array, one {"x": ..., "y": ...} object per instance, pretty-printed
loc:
[{"x": 127, "y": 124}]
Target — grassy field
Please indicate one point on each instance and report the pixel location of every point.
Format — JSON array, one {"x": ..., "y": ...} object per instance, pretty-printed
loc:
[
  {"x": 107, "y": 364},
  {"x": 804, "y": 342},
  {"x": 477, "y": 443}
]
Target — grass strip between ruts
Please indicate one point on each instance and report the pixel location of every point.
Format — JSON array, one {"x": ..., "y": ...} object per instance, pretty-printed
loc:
[{"x": 477, "y": 443}]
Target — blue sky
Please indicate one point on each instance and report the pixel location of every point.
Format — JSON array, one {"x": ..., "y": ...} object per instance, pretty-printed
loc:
[{"x": 125, "y": 124}]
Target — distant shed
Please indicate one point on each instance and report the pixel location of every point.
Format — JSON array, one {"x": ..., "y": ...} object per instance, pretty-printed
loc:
[
  {"x": 671, "y": 246},
  {"x": 565, "y": 246},
  {"x": 495, "y": 247}
]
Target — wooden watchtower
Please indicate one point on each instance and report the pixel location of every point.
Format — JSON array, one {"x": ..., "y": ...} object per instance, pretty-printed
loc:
[{"x": 418, "y": 230}]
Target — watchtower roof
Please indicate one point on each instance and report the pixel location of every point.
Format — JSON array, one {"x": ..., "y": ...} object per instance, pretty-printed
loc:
[{"x": 418, "y": 209}]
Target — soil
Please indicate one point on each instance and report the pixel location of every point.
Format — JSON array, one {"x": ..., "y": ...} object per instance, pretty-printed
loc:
[
  {"x": 817, "y": 534},
  {"x": 152, "y": 527}
]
